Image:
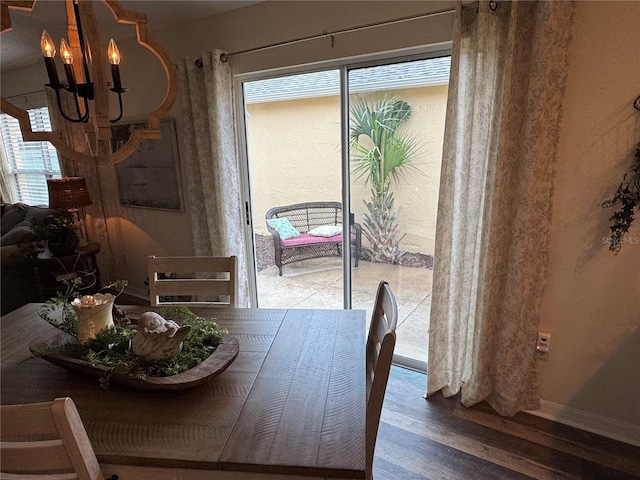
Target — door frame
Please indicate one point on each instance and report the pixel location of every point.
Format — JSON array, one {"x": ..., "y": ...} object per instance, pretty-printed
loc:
[{"x": 344, "y": 65}]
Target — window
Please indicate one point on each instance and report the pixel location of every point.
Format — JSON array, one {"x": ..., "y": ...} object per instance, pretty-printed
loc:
[{"x": 29, "y": 163}]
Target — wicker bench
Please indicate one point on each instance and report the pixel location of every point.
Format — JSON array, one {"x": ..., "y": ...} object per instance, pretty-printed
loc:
[{"x": 305, "y": 217}]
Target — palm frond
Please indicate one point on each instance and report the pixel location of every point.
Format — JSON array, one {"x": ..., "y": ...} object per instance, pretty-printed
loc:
[
  {"x": 399, "y": 153},
  {"x": 381, "y": 154},
  {"x": 367, "y": 166}
]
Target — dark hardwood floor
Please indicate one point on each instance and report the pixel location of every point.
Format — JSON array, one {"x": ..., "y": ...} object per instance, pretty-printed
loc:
[{"x": 440, "y": 439}]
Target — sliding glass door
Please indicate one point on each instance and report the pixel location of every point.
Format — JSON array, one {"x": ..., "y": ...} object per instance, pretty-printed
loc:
[
  {"x": 293, "y": 157},
  {"x": 367, "y": 138},
  {"x": 396, "y": 127}
]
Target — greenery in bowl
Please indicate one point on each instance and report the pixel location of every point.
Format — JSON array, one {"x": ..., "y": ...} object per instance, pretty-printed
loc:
[
  {"x": 58, "y": 310},
  {"x": 111, "y": 347},
  {"x": 54, "y": 229},
  {"x": 55, "y": 233}
]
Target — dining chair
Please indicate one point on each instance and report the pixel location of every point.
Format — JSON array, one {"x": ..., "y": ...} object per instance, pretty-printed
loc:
[
  {"x": 177, "y": 278},
  {"x": 381, "y": 342},
  {"x": 44, "y": 441}
]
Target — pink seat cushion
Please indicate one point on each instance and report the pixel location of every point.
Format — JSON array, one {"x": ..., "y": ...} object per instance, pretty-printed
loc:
[{"x": 306, "y": 239}]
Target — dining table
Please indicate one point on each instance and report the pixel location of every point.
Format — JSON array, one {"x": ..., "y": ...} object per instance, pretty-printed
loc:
[{"x": 291, "y": 406}]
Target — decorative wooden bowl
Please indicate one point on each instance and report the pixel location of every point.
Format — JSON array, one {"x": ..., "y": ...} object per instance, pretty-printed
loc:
[{"x": 213, "y": 366}]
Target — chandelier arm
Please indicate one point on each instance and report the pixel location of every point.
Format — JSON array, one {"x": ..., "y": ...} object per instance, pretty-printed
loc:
[
  {"x": 77, "y": 104},
  {"x": 61, "y": 110},
  {"x": 117, "y": 119},
  {"x": 86, "y": 53},
  {"x": 84, "y": 118}
]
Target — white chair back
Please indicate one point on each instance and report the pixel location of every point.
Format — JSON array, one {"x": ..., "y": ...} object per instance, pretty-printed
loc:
[
  {"x": 381, "y": 342},
  {"x": 193, "y": 281}
]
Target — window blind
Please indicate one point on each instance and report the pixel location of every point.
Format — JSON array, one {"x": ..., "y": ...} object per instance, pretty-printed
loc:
[{"x": 30, "y": 163}]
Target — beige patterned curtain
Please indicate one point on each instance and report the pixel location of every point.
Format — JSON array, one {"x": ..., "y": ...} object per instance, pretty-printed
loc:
[
  {"x": 211, "y": 161},
  {"x": 101, "y": 183},
  {"x": 508, "y": 77}
]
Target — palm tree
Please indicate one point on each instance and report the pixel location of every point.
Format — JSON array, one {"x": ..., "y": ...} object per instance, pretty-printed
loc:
[{"x": 381, "y": 154}]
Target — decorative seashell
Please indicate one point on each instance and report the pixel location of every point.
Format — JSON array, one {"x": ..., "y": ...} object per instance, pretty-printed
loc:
[{"x": 158, "y": 338}]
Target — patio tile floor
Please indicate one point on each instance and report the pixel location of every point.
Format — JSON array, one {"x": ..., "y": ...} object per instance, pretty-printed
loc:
[{"x": 317, "y": 283}]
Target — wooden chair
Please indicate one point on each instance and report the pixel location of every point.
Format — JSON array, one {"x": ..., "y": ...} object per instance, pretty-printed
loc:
[
  {"x": 46, "y": 441},
  {"x": 380, "y": 344},
  {"x": 175, "y": 277}
]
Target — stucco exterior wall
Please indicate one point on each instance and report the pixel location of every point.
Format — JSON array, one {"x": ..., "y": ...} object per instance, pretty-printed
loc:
[{"x": 294, "y": 156}]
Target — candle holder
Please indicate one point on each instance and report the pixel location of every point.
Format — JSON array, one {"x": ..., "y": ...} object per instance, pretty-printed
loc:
[{"x": 95, "y": 313}]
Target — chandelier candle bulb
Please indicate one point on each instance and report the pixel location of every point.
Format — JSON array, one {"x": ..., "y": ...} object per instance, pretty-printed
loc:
[
  {"x": 65, "y": 52},
  {"x": 67, "y": 58},
  {"x": 46, "y": 45},
  {"x": 114, "y": 53},
  {"x": 114, "y": 59},
  {"x": 49, "y": 52}
]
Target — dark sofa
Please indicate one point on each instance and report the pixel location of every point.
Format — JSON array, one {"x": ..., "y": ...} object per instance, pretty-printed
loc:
[{"x": 18, "y": 280}]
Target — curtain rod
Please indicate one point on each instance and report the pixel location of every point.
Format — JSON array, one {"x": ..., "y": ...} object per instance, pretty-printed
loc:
[{"x": 326, "y": 34}]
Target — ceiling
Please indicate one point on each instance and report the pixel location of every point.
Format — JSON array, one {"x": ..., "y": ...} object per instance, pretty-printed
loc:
[{"x": 21, "y": 46}]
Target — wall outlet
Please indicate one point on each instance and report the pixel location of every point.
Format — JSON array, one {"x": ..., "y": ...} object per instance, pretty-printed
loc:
[{"x": 543, "y": 345}]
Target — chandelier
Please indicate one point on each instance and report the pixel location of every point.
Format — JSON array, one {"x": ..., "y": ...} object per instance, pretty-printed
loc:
[{"x": 85, "y": 59}]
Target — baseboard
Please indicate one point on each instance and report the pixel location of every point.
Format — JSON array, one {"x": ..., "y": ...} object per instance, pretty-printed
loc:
[{"x": 597, "y": 424}]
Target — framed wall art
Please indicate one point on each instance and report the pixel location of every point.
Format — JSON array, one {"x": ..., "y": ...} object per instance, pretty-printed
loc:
[{"x": 150, "y": 178}]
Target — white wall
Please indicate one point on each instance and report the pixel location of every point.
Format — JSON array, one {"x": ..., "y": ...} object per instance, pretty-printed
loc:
[
  {"x": 276, "y": 21},
  {"x": 591, "y": 304}
]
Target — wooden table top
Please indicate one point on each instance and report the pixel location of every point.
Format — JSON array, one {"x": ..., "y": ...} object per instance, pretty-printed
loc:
[{"x": 292, "y": 403}]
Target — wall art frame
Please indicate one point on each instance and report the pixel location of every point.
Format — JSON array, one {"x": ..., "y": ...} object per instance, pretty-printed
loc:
[{"x": 150, "y": 177}]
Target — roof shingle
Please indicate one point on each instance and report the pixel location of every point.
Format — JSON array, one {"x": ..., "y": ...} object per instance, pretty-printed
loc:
[{"x": 420, "y": 73}]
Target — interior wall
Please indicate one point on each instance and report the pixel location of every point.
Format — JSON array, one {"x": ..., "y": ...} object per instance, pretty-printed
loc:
[
  {"x": 277, "y": 21},
  {"x": 591, "y": 304}
]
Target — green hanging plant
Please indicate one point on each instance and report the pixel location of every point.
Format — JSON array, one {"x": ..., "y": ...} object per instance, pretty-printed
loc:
[{"x": 628, "y": 198}]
